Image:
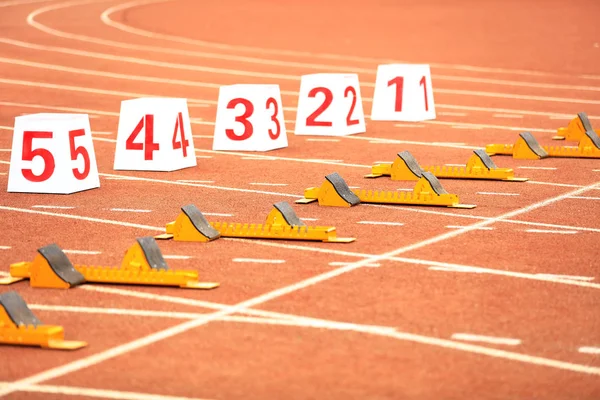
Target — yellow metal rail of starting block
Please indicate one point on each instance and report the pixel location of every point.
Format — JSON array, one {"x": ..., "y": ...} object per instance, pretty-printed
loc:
[{"x": 528, "y": 148}]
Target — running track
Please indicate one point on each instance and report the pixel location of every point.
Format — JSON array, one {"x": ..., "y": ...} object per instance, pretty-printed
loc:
[{"x": 496, "y": 302}]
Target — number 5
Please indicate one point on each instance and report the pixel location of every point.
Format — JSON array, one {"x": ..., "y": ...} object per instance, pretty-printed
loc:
[{"x": 29, "y": 154}]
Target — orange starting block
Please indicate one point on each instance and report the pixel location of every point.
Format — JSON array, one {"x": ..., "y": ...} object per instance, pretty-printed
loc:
[
  {"x": 143, "y": 264},
  {"x": 479, "y": 166},
  {"x": 528, "y": 148},
  {"x": 576, "y": 129},
  {"x": 335, "y": 192},
  {"x": 281, "y": 223},
  {"x": 20, "y": 327}
]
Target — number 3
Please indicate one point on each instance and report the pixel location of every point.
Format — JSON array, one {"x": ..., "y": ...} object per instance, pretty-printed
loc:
[{"x": 248, "y": 111}]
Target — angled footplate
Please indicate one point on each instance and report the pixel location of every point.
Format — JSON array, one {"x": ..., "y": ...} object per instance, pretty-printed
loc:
[
  {"x": 528, "y": 148},
  {"x": 20, "y": 327},
  {"x": 281, "y": 223},
  {"x": 427, "y": 192},
  {"x": 190, "y": 226},
  {"x": 143, "y": 264},
  {"x": 479, "y": 166},
  {"x": 576, "y": 129}
]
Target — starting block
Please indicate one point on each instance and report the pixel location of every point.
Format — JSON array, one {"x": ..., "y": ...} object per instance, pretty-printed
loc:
[
  {"x": 479, "y": 166},
  {"x": 527, "y": 148},
  {"x": 19, "y": 326},
  {"x": 281, "y": 223},
  {"x": 143, "y": 264},
  {"x": 427, "y": 192},
  {"x": 576, "y": 129}
]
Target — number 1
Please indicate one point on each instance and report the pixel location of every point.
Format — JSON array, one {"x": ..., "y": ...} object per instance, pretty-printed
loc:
[{"x": 424, "y": 84}]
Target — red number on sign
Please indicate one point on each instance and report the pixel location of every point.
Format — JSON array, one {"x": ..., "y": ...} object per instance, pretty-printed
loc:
[
  {"x": 310, "y": 121},
  {"x": 270, "y": 101},
  {"x": 29, "y": 154},
  {"x": 146, "y": 123},
  {"x": 248, "y": 110},
  {"x": 399, "y": 82},
  {"x": 76, "y": 151},
  {"x": 184, "y": 143},
  {"x": 350, "y": 121},
  {"x": 424, "y": 84}
]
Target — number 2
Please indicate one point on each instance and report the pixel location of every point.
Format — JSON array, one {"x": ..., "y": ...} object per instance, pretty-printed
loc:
[{"x": 311, "y": 120}]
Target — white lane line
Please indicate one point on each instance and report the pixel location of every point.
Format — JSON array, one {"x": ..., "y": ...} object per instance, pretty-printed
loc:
[
  {"x": 322, "y": 140},
  {"x": 3, "y": 173},
  {"x": 381, "y": 223},
  {"x": 343, "y": 263},
  {"x": 540, "y": 168},
  {"x": 409, "y": 126},
  {"x": 589, "y": 350},
  {"x": 571, "y": 277},
  {"x": 204, "y": 157},
  {"x": 5, "y": 247},
  {"x": 130, "y": 210},
  {"x": 213, "y": 214},
  {"x": 99, "y": 393},
  {"x": 5, "y": 150},
  {"x": 86, "y": 252},
  {"x": 585, "y": 197},
  {"x": 175, "y": 257},
  {"x": 203, "y": 136},
  {"x": 102, "y": 133},
  {"x": 486, "y": 339},
  {"x": 551, "y": 231},
  {"x": 4, "y": 162},
  {"x": 454, "y": 165},
  {"x": 467, "y": 125},
  {"x": 451, "y": 114},
  {"x": 405, "y": 189},
  {"x": 498, "y": 194},
  {"x": 309, "y": 219},
  {"x": 267, "y": 184},
  {"x": 507, "y": 116},
  {"x": 557, "y": 184},
  {"x": 53, "y": 207},
  {"x": 470, "y": 127},
  {"x": 596, "y": 170},
  {"x": 193, "y": 181},
  {"x": 483, "y": 228},
  {"x": 258, "y": 261},
  {"x": 354, "y": 187}
]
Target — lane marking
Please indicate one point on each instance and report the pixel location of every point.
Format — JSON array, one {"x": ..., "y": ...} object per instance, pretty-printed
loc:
[
  {"x": 193, "y": 181},
  {"x": 5, "y": 247},
  {"x": 175, "y": 257},
  {"x": 204, "y": 157},
  {"x": 454, "y": 165},
  {"x": 98, "y": 393},
  {"x": 540, "y": 168},
  {"x": 409, "y": 126},
  {"x": 451, "y": 114},
  {"x": 596, "y": 170},
  {"x": 405, "y": 189},
  {"x": 309, "y": 219},
  {"x": 551, "y": 231},
  {"x": 267, "y": 184},
  {"x": 214, "y": 214},
  {"x": 322, "y": 140},
  {"x": 3, "y": 173},
  {"x": 466, "y": 127},
  {"x": 86, "y": 252},
  {"x": 507, "y": 116},
  {"x": 486, "y": 339},
  {"x": 105, "y": 17},
  {"x": 102, "y": 133},
  {"x": 484, "y": 228},
  {"x": 342, "y": 264},
  {"x": 498, "y": 194},
  {"x": 573, "y": 277},
  {"x": 132, "y": 210},
  {"x": 556, "y": 184},
  {"x": 257, "y": 260},
  {"x": 585, "y": 197},
  {"x": 20, "y": 2},
  {"x": 589, "y": 350},
  {"x": 380, "y": 223},
  {"x": 53, "y": 207}
]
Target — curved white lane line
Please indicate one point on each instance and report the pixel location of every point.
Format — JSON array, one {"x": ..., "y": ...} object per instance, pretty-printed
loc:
[
  {"x": 31, "y": 21},
  {"x": 82, "y": 53},
  {"x": 105, "y": 17},
  {"x": 20, "y": 2}
]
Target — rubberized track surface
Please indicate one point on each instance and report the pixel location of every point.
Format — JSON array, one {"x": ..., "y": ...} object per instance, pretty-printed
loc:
[{"x": 520, "y": 269}]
